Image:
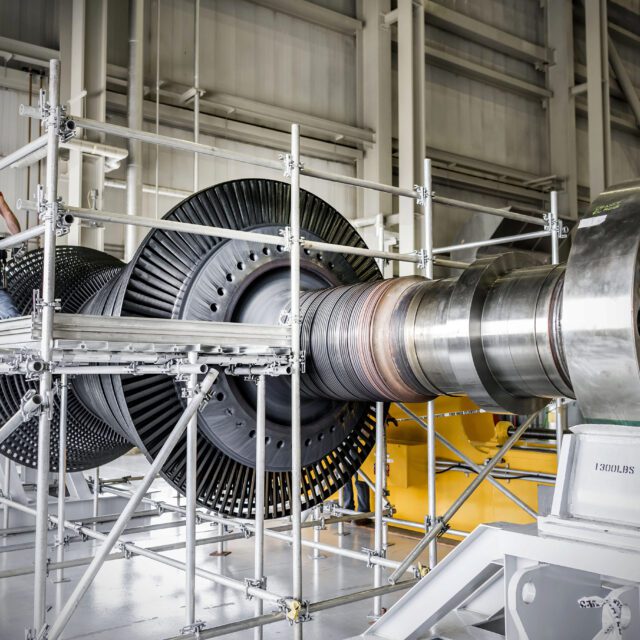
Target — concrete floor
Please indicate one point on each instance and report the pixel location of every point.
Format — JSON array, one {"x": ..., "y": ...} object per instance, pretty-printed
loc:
[{"x": 140, "y": 599}]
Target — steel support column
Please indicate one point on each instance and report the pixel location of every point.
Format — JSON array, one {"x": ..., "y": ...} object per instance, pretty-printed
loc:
[
  {"x": 72, "y": 18},
  {"x": 95, "y": 107},
  {"x": 376, "y": 103},
  {"x": 562, "y": 108},
  {"x": 598, "y": 96},
  {"x": 135, "y": 104},
  {"x": 406, "y": 129},
  {"x": 196, "y": 90},
  {"x": 83, "y": 43}
]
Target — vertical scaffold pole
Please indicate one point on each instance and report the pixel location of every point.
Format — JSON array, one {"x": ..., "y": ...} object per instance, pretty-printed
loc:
[
  {"x": 381, "y": 463},
  {"x": 261, "y": 471},
  {"x": 62, "y": 472},
  {"x": 555, "y": 228},
  {"x": 96, "y": 496},
  {"x": 427, "y": 207},
  {"x": 296, "y": 438},
  {"x": 190, "y": 503},
  {"x": 50, "y": 214}
]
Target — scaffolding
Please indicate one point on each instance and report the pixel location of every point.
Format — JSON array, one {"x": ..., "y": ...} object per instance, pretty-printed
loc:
[{"x": 50, "y": 343}]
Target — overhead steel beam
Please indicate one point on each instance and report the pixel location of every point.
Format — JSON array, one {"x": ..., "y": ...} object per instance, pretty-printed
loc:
[
  {"x": 618, "y": 120},
  {"x": 624, "y": 17},
  {"x": 27, "y": 52},
  {"x": 315, "y": 14},
  {"x": 562, "y": 109},
  {"x": 480, "y": 72},
  {"x": 179, "y": 117},
  {"x": 624, "y": 80},
  {"x": 624, "y": 34},
  {"x": 484, "y": 34},
  {"x": 236, "y": 107},
  {"x": 475, "y": 71},
  {"x": 480, "y": 32}
]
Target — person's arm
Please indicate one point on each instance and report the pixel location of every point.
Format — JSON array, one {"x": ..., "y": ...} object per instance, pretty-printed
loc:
[{"x": 9, "y": 217}]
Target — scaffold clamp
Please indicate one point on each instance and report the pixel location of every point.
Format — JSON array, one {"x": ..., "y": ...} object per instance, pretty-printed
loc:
[
  {"x": 373, "y": 553},
  {"x": 193, "y": 629},
  {"x": 43, "y": 634},
  {"x": 554, "y": 225},
  {"x": 423, "y": 258},
  {"x": 257, "y": 583},
  {"x": 422, "y": 194},
  {"x": 289, "y": 164},
  {"x": 296, "y": 610}
]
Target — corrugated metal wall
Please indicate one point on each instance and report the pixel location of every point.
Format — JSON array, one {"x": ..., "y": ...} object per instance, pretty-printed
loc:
[{"x": 252, "y": 52}]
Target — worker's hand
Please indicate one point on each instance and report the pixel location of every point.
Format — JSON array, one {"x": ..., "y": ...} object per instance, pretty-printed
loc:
[{"x": 9, "y": 217}]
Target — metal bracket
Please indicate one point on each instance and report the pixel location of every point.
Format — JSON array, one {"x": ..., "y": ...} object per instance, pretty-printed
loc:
[
  {"x": 289, "y": 164},
  {"x": 284, "y": 320},
  {"x": 62, "y": 226},
  {"x": 56, "y": 116},
  {"x": 422, "y": 194},
  {"x": 43, "y": 634},
  {"x": 424, "y": 259},
  {"x": 258, "y": 583},
  {"x": 296, "y": 611},
  {"x": 445, "y": 526},
  {"x": 372, "y": 553},
  {"x": 193, "y": 629},
  {"x": 27, "y": 415},
  {"x": 205, "y": 397},
  {"x": 616, "y": 615},
  {"x": 39, "y": 303},
  {"x": 287, "y": 236},
  {"x": 555, "y": 226},
  {"x": 421, "y": 570},
  {"x": 123, "y": 546}
]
